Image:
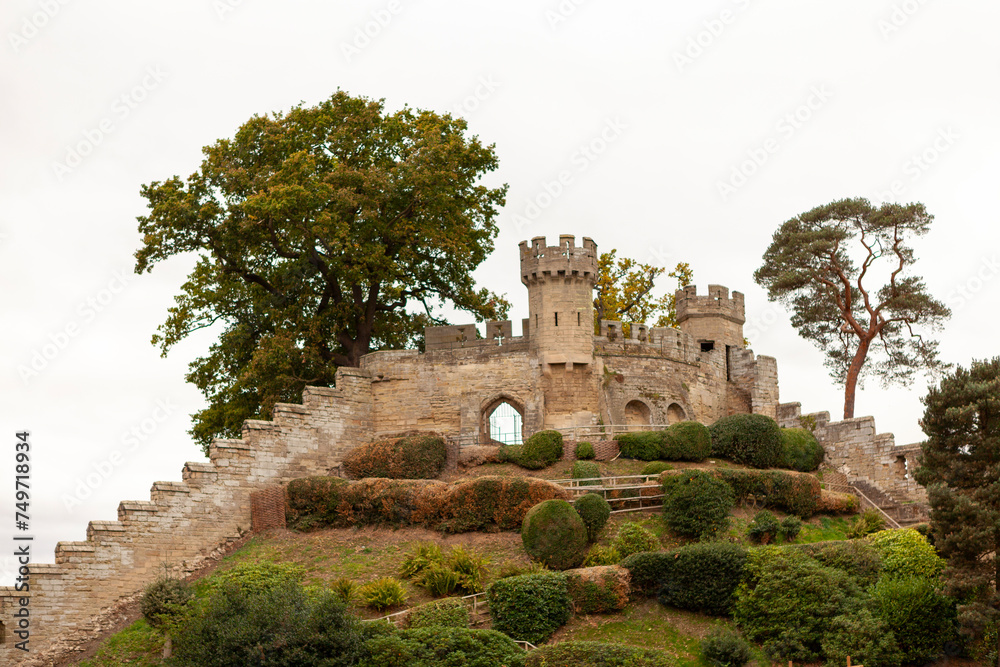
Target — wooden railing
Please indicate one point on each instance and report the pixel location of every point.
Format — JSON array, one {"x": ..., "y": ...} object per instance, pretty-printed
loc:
[
  {"x": 612, "y": 488},
  {"x": 606, "y": 431}
]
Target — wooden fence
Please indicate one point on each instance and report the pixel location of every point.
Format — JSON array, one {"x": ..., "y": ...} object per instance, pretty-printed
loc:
[{"x": 625, "y": 493}]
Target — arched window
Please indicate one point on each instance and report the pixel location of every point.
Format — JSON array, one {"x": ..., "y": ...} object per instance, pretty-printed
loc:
[
  {"x": 675, "y": 413},
  {"x": 505, "y": 424},
  {"x": 636, "y": 413}
]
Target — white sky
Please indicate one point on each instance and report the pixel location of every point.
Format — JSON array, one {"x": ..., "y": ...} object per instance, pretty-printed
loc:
[{"x": 140, "y": 87}]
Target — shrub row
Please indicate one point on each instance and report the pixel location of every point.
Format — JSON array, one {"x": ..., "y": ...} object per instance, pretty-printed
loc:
[
  {"x": 792, "y": 492},
  {"x": 433, "y": 646},
  {"x": 596, "y": 654},
  {"x": 419, "y": 456},
  {"x": 530, "y": 607},
  {"x": 447, "y": 613},
  {"x": 539, "y": 451},
  {"x": 753, "y": 440},
  {"x": 684, "y": 441}
]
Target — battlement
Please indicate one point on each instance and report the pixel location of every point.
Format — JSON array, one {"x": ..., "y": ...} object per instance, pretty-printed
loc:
[
  {"x": 718, "y": 303},
  {"x": 539, "y": 260}
]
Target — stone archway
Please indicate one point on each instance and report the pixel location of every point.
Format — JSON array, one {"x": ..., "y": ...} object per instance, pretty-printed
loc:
[
  {"x": 675, "y": 413},
  {"x": 501, "y": 421},
  {"x": 637, "y": 413}
]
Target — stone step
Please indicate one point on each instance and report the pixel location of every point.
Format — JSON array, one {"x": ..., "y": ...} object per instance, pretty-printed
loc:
[
  {"x": 105, "y": 531},
  {"x": 75, "y": 552},
  {"x": 196, "y": 473},
  {"x": 162, "y": 492},
  {"x": 136, "y": 510}
]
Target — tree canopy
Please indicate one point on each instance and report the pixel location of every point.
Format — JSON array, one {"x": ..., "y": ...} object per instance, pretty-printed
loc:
[
  {"x": 821, "y": 265},
  {"x": 321, "y": 234},
  {"x": 623, "y": 291},
  {"x": 961, "y": 469}
]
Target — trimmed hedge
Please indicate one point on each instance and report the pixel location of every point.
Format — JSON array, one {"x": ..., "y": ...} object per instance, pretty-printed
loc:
[
  {"x": 683, "y": 441},
  {"x": 633, "y": 538},
  {"x": 857, "y": 558},
  {"x": 530, "y": 607},
  {"x": 447, "y": 613},
  {"x": 554, "y": 534},
  {"x": 433, "y": 646},
  {"x": 411, "y": 457},
  {"x": 917, "y": 613},
  {"x": 696, "y": 503},
  {"x": 587, "y": 470},
  {"x": 649, "y": 570},
  {"x": 792, "y": 492},
  {"x": 490, "y": 504},
  {"x": 906, "y": 553},
  {"x": 702, "y": 577},
  {"x": 753, "y": 440},
  {"x": 643, "y": 445},
  {"x": 800, "y": 450},
  {"x": 585, "y": 451},
  {"x": 595, "y": 512},
  {"x": 725, "y": 648},
  {"x": 596, "y": 654},
  {"x": 599, "y": 589},
  {"x": 540, "y": 450},
  {"x": 655, "y": 468}
]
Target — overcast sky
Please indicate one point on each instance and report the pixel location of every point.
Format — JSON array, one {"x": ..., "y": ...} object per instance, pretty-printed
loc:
[{"x": 679, "y": 132}]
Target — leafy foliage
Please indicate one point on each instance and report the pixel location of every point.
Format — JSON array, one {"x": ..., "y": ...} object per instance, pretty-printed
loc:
[
  {"x": 599, "y": 589},
  {"x": 382, "y": 594},
  {"x": 585, "y": 451},
  {"x": 764, "y": 527},
  {"x": 865, "y": 524},
  {"x": 906, "y": 552},
  {"x": 316, "y": 232},
  {"x": 554, "y": 534},
  {"x": 655, "y": 468},
  {"x": 411, "y": 457},
  {"x": 164, "y": 601},
  {"x": 539, "y": 451},
  {"x": 817, "y": 264},
  {"x": 602, "y": 555},
  {"x": 596, "y": 654},
  {"x": 419, "y": 558},
  {"x": 800, "y": 450},
  {"x": 442, "y": 646},
  {"x": 856, "y": 558},
  {"x": 649, "y": 570},
  {"x": 791, "y": 492},
  {"x": 696, "y": 503},
  {"x": 447, "y": 613},
  {"x": 687, "y": 441},
  {"x": 262, "y": 576},
  {"x": 862, "y": 636},
  {"x": 703, "y": 577},
  {"x": 790, "y": 527},
  {"x": 641, "y": 445},
  {"x": 753, "y": 440},
  {"x": 917, "y": 613},
  {"x": 530, "y": 607},
  {"x": 633, "y": 538},
  {"x": 623, "y": 290},
  {"x": 587, "y": 470},
  {"x": 595, "y": 512},
  {"x": 725, "y": 648},
  {"x": 345, "y": 589}
]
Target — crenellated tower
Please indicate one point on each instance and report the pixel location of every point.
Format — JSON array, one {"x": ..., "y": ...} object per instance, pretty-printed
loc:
[{"x": 715, "y": 320}]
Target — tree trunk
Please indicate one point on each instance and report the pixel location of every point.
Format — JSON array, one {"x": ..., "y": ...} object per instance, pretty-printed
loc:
[{"x": 853, "y": 372}]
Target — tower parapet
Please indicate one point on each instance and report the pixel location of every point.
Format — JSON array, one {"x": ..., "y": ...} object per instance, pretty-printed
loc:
[{"x": 716, "y": 318}]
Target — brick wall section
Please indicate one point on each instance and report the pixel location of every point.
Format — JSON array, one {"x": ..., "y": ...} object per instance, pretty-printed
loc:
[{"x": 267, "y": 509}]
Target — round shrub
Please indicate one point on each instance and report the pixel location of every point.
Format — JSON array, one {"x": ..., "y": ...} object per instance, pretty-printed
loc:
[
  {"x": 164, "y": 600},
  {"x": 764, "y": 527},
  {"x": 863, "y": 637},
  {"x": 412, "y": 457},
  {"x": 753, "y": 440},
  {"x": 587, "y": 470},
  {"x": 655, "y": 468},
  {"x": 447, "y": 613},
  {"x": 433, "y": 646},
  {"x": 725, "y": 648},
  {"x": 530, "y": 607},
  {"x": 642, "y": 445},
  {"x": 696, "y": 504},
  {"x": 906, "y": 553},
  {"x": 585, "y": 451},
  {"x": 916, "y": 612},
  {"x": 595, "y": 512},
  {"x": 703, "y": 577},
  {"x": 383, "y": 593},
  {"x": 596, "y": 654},
  {"x": 790, "y": 527},
  {"x": 554, "y": 534},
  {"x": 541, "y": 450},
  {"x": 633, "y": 538},
  {"x": 800, "y": 450},
  {"x": 687, "y": 441}
]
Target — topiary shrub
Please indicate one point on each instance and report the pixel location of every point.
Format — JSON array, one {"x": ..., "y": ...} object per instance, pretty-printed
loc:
[
  {"x": 863, "y": 637},
  {"x": 790, "y": 527},
  {"x": 382, "y": 594},
  {"x": 554, "y": 534},
  {"x": 906, "y": 553},
  {"x": 857, "y": 558},
  {"x": 696, "y": 504},
  {"x": 434, "y": 646},
  {"x": 601, "y": 555},
  {"x": 447, "y": 613},
  {"x": 164, "y": 601},
  {"x": 530, "y": 607},
  {"x": 915, "y": 611},
  {"x": 649, "y": 570},
  {"x": 412, "y": 457},
  {"x": 655, "y": 468},
  {"x": 585, "y": 451},
  {"x": 596, "y": 654},
  {"x": 764, "y": 527},
  {"x": 595, "y": 512},
  {"x": 702, "y": 577},
  {"x": 867, "y": 523},
  {"x": 489, "y": 504},
  {"x": 792, "y": 492},
  {"x": 633, "y": 538},
  {"x": 541, "y": 450},
  {"x": 643, "y": 445},
  {"x": 724, "y": 648},
  {"x": 587, "y": 470},
  {"x": 328, "y": 501},
  {"x": 800, "y": 450},
  {"x": 687, "y": 441},
  {"x": 600, "y": 589},
  {"x": 753, "y": 440}
]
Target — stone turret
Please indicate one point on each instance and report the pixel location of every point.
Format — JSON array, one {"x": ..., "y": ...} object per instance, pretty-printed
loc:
[
  {"x": 715, "y": 320},
  {"x": 560, "y": 281}
]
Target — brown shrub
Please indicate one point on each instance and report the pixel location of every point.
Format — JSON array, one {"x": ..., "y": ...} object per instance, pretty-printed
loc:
[
  {"x": 476, "y": 455},
  {"x": 595, "y": 590},
  {"x": 831, "y": 502},
  {"x": 417, "y": 456},
  {"x": 493, "y": 503}
]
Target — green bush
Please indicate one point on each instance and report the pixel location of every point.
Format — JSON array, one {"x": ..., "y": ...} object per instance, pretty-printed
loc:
[
  {"x": 725, "y": 648},
  {"x": 696, "y": 504},
  {"x": 753, "y": 440},
  {"x": 595, "y": 512},
  {"x": 597, "y": 590},
  {"x": 703, "y": 577},
  {"x": 439, "y": 580},
  {"x": 649, "y": 570},
  {"x": 587, "y": 470},
  {"x": 434, "y": 646},
  {"x": 595, "y": 654},
  {"x": 447, "y": 613},
  {"x": 554, "y": 534},
  {"x": 633, "y": 538},
  {"x": 906, "y": 553},
  {"x": 641, "y": 445},
  {"x": 263, "y": 576},
  {"x": 867, "y": 523},
  {"x": 344, "y": 589},
  {"x": 530, "y": 607},
  {"x": 419, "y": 558},
  {"x": 541, "y": 450},
  {"x": 857, "y": 558},
  {"x": 237, "y": 626},
  {"x": 687, "y": 441},
  {"x": 916, "y": 612},
  {"x": 164, "y": 601},
  {"x": 764, "y": 527},
  {"x": 790, "y": 527},
  {"x": 601, "y": 555},
  {"x": 863, "y": 637},
  {"x": 655, "y": 468},
  {"x": 800, "y": 450},
  {"x": 585, "y": 451},
  {"x": 471, "y": 568},
  {"x": 411, "y": 457},
  {"x": 791, "y": 492},
  {"x": 382, "y": 594},
  {"x": 787, "y": 601}
]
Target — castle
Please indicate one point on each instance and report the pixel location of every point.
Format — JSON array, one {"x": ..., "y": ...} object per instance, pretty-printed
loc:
[{"x": 557, "y": 374}]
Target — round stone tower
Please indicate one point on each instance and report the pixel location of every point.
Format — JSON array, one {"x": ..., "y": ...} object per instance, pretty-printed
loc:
[
  {"x": 715, "y": 320},
  {"x": 560, "y": 281}
]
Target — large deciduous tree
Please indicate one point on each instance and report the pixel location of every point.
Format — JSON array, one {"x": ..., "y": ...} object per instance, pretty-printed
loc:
[
  {"x": 961, "y": 469},
  {"x": 321, "y": 234},
  {"x": 623, "y": 291},
  {"x": 822, "y": 265}
]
